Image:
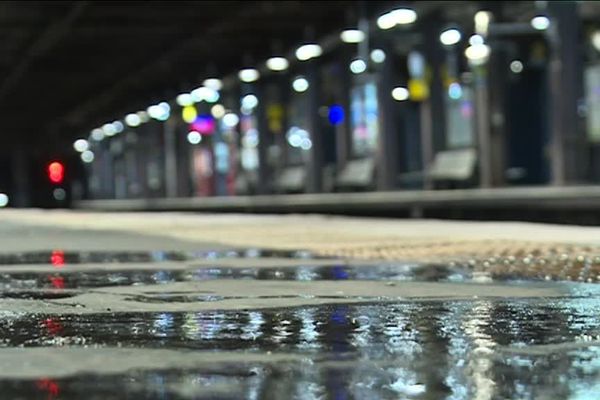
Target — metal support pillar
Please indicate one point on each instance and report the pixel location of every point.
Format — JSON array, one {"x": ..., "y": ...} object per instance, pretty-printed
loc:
[
  {"x": 567, "y": 146},
  {"x": 427, "y": 152},
  {"x": 343, "y": 131},
  {"x": 482, "y": 127},
  {"x": 433, "y": 118},
  {"x": 315, "y": 167},
  {"x": 388, "y": 143},
  {"x": 264, "y": 173},
  {"x": 498, "y": 83},
  {"x": 169, "y": 130}
]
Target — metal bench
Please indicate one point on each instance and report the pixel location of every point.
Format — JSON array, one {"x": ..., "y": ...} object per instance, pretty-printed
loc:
[{"x": 357, "y": 174}]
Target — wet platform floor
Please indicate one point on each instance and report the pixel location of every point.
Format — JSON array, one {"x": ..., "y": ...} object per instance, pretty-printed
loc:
[{"x": 372, "y": 335}]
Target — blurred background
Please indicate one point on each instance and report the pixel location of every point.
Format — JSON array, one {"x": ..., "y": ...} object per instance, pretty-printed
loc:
[{"x": 188, "y": 100}]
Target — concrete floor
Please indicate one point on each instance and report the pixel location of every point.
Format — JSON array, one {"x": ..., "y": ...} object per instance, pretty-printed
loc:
[
  {"x": 296, "y": 231},
  {"x": 172, "y": 305}
]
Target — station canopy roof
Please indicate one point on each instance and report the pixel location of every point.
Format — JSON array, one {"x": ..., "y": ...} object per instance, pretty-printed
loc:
[{"x": 67, "y": 67}]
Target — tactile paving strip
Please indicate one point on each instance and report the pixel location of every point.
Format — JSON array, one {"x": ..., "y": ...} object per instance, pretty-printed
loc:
[{"x": 519, "y": 260}]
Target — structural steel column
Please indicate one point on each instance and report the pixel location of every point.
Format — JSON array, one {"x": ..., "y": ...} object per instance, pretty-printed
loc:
[
  {"x": 482, "y": 126},
  {"x": 315, "y": 167},
  {"x": 498, "y": 84},
  {"x": 264, "y": 174},
  {"x": 387, "y": 160},
  {"x": 433, "y": 119},
  {"x": 169, "y": 131},
  {"x": 343, "y": 131},
  {"x": 567, "y": 146}
]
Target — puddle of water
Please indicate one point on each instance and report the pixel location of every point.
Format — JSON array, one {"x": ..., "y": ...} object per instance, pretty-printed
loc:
[
  {"x": 36, "y": 295},
  {"x": 508, "y": 349},
  {"x": 331, "y": 327},
  {"x": 59, "y": 258},
  {"x": 94, "y": 279},
  {"x": 428, "y": 350}
]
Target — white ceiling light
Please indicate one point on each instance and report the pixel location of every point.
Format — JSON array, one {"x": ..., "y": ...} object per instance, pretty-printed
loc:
[
  {"x": 358, "y": 66},
  {"x": 482, "y": 22},
  {"x": 400, "y": 16},
  {"x": 249, "y": 75},
  {"x": 477, "y": 53},
  {"x": 277, "y": 63},
  {"x": 217, "y": 111},
  {"x": 231, "y": 120},
  {"x": 249, "y": 101},
  {"x": 213, "y": 83},
  {"x": 474, "y": 40},
  {"x": 3, "y": 200},
  {"x": 400, "y": 93},
  {"x": 160, "y": 111},
  {"x": 194, "y": 137},
  {"x": 378, "y": 56},
  {"x": 300, "y": 84},
  {"x": 596, "y": 40},
  {"x": 450, "y": 37},
  {"x": 133, "y": 120},
  {"x": 118, "y": 125},
  {"x": 352, "y": 36},
  {"x": 540, "y": 22},
  {"x": 516, "y": 66},
  {"x": 109, "y": 129},
  {"x": 386, "y": 21},
  {"x": 308, "y": 51},
  {"x": 87, "y": 156},
  {"x": 185, "y": 99},
  {"x": 81, "y": 145},
  {"x": 97, "y": 134},
  {"x": 204, "y": 93},
  {"x": 404, "y": 16}
]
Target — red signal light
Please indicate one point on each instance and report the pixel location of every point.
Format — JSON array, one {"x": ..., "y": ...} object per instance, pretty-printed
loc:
[
  {"x": 56, "y": 172},
  {"x": 57, "y": 258}
]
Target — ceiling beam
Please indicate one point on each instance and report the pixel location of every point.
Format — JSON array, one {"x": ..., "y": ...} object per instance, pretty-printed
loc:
[
  {"x": 44, "y": 42},
  {"x": 199, "y": 42}
]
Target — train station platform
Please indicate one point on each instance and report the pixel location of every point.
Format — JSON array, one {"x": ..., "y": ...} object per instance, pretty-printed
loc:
[
  {"x": 574, "y": 204},
  {"x": 207, "y": 305}
]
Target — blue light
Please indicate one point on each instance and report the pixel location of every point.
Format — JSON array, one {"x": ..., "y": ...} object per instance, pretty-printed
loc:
[
  {"x": 455, "y": 91},
  {"x": 336, "y": 114}
]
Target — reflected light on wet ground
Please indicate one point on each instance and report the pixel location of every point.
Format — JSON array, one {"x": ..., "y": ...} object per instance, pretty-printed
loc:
[
  {"x": 441, "y": 349},
  {"x": 59, "y": 258},
  {"x": 499, "y": 348}
]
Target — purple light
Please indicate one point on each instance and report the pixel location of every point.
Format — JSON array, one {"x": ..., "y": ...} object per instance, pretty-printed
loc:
[{"x": 205, "y": 124}]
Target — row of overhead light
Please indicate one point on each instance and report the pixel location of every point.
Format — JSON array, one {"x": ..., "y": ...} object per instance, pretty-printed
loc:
[
  {"x": 477, "y": 52},
  {"x": 209, "y": 92}
]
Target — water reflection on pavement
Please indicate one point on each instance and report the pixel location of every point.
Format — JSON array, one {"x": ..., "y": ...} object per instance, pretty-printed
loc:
[
  {"x": 504, "y": 348},
  {"x": 452, "y": 349}
]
